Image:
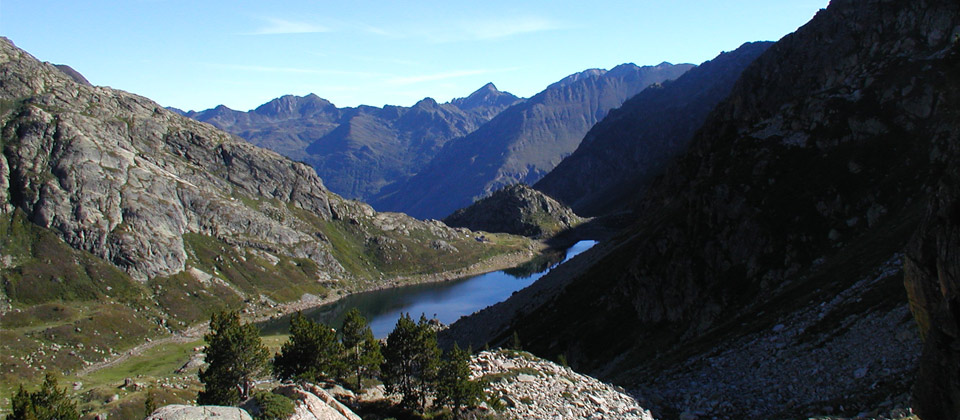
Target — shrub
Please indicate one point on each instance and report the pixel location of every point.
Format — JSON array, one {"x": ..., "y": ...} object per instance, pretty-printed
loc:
[{"x": 273, "y": 406}]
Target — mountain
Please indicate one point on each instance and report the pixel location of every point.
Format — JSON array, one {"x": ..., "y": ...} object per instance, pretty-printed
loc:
[
  {"x": 633, "y": 143},
  {"x": 119, "y": 216},
  {"x": 522, "y": 143},
  {"x": 762, "y": 277},
  {"x": 75, "y": 75},
  {"x": 358, "y": 151},
  {"x": 516, "y": 209},
  {"x": 486, "y": 102}
]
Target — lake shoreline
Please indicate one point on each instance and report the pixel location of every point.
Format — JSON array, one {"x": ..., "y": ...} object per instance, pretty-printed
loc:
[
  {"x": 197, "y": 331},
  {"x": 447, "y": 299},
  {"x": 490, "y": 265}
]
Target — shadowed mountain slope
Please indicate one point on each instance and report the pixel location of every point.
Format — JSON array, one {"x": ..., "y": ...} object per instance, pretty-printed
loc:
[
  {"x": 634, "y": 143},
  {"x": 805, "y": 183},
  {"x": 522, "y": 143}
]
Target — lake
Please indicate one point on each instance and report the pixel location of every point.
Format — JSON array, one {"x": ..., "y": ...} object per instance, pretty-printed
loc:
[{"x": 446, "y": 301}]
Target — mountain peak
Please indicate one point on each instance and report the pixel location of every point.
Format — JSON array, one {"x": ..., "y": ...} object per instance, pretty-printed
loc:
[
  {"x": 427, "y": 102},
  {"x": 486, "y": 96},
  {"x": 489, "y": 87},
  {"x": 292, "y": 106},
  {"x": 573, "y": 78}
]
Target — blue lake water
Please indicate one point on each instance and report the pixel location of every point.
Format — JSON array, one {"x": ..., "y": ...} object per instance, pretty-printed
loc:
[{"x": 445, "y": 301}]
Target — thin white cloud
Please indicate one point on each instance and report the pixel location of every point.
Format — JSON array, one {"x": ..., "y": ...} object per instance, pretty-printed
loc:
[
  {"x": 409, "y": 80},
  {"x": 479, "y": 29},
  {"x": 510, "y": 26},
  {"x": 294, "y": 70},
  {"x": 275, "y": 26}
]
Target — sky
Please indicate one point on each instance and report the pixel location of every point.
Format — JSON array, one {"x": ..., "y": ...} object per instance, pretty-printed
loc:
[{"x": 200, "y": 54}]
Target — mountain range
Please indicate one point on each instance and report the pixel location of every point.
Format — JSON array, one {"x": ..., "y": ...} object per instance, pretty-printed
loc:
[
  {"x": 783, "y": 222},
  {"x": 393, "y": 157},
  {"x": 522, "y": 143},
  {"x": 785, "y": 208},
  {"x": 635, "y": 142},
  {"x": 117, "y": 214},
  {"x": 357, "y": 151}
]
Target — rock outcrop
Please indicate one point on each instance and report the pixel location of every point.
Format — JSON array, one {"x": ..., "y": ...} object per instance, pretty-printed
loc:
[
  {"x": 119, "y": 176},
  {"x": 516, "y": 209},
  {"x": 205, "y": 412},
  {"x": 533, "y": 388},
  {"x": 313, "y": 403},
  {"x": 933, "y": 283}
]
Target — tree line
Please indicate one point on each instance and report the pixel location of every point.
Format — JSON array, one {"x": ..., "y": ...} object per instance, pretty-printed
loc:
[{"x": 410, "y": 364}]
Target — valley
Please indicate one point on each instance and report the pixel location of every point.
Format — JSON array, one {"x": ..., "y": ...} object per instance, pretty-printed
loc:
[{"x": 772, "y": 233}]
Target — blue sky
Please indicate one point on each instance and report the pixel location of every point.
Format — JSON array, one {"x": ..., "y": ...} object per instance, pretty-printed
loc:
[{"x": 198, "y": 54}]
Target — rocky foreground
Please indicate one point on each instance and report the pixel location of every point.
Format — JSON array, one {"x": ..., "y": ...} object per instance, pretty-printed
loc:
[
  {"x": 533, "y": 388},
  {"x": 518, "y": 386}
]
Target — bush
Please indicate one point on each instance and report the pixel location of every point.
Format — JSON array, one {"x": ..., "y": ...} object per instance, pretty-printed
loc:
[{"x": 273, "y": 406}]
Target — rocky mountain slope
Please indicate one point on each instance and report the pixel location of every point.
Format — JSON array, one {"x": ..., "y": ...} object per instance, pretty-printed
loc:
[
  {"x": 358, "y": 151},
  {"x": 634, "y": 143},
  {"x": 534, "y": 388},
  {"x": 807, "y": 179},
  {"x": 522, "y": 143},
  {"x": 932, "y": 278},
  {"x": 516, "y": 209},
  {"x": 121, "y": 220}
]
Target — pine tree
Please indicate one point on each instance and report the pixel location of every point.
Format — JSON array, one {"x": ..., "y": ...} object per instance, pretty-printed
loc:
[
  {"x": 428, "y": 359},
  {"x": 398, "y": 368},
  {"x": 49, "y": 403},
  {"x": 235, "y": 357},
  {"x": 410, "y": 361},
  {"x": 362, "y": 353},
  {"x": 312, "y": 353},
  {"x": 454, "y": 386}
]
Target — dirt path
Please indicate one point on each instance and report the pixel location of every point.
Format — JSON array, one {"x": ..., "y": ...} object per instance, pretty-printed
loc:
[{"x": 196, "y": 332}]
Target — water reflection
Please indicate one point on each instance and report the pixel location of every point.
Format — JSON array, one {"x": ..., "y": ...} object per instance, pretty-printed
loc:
[{"x": 447, "y": 301}]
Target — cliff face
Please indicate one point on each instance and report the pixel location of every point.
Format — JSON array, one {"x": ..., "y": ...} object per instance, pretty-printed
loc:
[
  {"x": 118, "y": 176},
  {"x": 932, "y": 278},
  {"x": 119, "y": 215},
  {"x": 808, "y": 177},
  {"x": 516, "y": 209},
  {"x": 621, "y": 154}
]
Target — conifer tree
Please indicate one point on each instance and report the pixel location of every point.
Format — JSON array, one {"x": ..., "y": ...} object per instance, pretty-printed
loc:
[
  {"x": 235, "y": 357},
  {"x": 428, "y": 359},
  {"x": 49, "y": 403},
  {"x": 312, "y": 353},
  {"x": 410, "y": 361},
  {"x": 454, "y": 386},
  {"x": 362, "y": 353}
]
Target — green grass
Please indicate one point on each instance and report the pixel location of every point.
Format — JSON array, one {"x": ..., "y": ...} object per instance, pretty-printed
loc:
[
  {"x": 46, "y": 269},
  {"x": 190, "y": 301},
  {"x": 158, "y": 362},
  {"x": 286, "y": 280}
]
